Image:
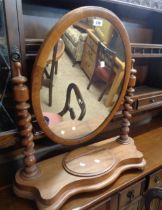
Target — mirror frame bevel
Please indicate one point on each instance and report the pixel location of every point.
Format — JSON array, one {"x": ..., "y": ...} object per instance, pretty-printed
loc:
[{"x": 40, "y": 62}]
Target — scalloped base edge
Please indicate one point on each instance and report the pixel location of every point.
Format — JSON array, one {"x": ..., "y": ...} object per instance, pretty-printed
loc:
[{"x": 53, "y": 200}]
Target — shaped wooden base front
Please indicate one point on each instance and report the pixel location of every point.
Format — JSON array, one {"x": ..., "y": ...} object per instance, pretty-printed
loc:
[{"x": 83, "y": 170}]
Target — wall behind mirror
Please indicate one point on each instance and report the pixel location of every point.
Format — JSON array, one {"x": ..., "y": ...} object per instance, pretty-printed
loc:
[{"x": 83, "y": 78}]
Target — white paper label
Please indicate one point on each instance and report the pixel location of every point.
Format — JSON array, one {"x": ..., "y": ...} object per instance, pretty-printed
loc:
[
  {"x": 102, "y": 64},
  {"x": 97, "y": 22}
]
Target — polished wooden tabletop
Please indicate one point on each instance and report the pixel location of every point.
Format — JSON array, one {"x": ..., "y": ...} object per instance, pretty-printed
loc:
[{"x": 149, "y": 143}]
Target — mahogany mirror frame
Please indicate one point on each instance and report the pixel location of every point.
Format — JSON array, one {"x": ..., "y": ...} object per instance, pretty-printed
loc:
[{"x": 47, "y": 46}]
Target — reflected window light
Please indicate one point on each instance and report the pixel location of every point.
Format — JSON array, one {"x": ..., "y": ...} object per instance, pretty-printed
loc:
[
  {"x": 97, "y": 161},
  {"x": 62, "y": 132},
  {"x": 73, "y": 128},
  {"x": 82, "y": 164}
]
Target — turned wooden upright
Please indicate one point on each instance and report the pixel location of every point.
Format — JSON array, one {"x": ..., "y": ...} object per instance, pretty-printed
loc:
[
  {"x": 127, "y": 107},
  {"x": 21, "y": 96}
]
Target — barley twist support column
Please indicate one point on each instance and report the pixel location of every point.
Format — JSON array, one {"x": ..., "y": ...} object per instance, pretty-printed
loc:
[
  {"x": 21, "y": 96},
  {"x": 127, "y": 108}
]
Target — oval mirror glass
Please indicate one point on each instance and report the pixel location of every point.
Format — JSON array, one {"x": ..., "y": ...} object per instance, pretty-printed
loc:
[
  {"x": 81, "y": 75},
  {"x": 82, "y": 78}
]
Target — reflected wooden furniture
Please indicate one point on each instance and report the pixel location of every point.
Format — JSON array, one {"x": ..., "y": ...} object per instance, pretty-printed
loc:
[
  {"x": 88, "y": 64},
  {"x": 53, "y": 61},
  {"x": 119, "y": 74},
  {"x": 88, "y": 61},
  {"x": 106, "y": 73}
]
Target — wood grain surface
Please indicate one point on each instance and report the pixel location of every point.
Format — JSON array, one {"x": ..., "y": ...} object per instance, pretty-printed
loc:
[{"x": 55, "y": 185}]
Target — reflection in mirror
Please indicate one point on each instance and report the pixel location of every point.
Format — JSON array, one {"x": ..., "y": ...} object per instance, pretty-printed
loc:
[{"x": 83, "y": 78}]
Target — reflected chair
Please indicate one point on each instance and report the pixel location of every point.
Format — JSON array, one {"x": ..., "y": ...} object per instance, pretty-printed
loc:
[
  {"x": 54, "y": 118},
  {"x": 103, "y": 70},
  {"x": 153, "y": 193},
  {"x": 79, "y": 99},
  {"x": 48, "y": 76}
]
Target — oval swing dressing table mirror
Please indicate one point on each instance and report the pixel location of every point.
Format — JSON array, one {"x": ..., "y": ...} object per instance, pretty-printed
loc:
[
  {"x": 81, "y": 101},
  {"x": 81, "y": 76}
]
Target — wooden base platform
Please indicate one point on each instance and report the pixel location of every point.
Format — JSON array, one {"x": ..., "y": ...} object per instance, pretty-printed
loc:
[{"x": 66, "y": 175}]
